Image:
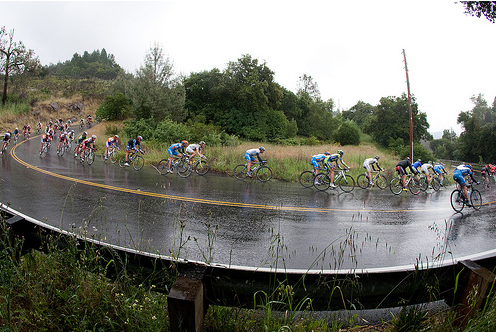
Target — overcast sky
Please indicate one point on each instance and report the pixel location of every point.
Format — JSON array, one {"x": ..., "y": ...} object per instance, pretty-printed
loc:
[{"x": 352, "y": 49}]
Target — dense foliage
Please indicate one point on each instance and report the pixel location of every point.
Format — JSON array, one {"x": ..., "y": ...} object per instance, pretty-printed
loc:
[{"x": 95, "y": 65}]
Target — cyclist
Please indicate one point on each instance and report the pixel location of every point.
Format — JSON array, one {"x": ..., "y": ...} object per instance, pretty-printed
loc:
[
  {"x": 174, "y": 150},
  {"x": 439, "y": 170},
  {"x": 367, "y": 165},
  {"x": 111, "y": 142},
  {"x": 195, "y": 150},
  {"x": 458, "y": 175},
  {"x": 38, "y": 126},
  {"x": 416, "y": 166},
  {"x": 425, "y": 169},
  {"x": 88, "y": 143},
  {"x": 250, "y": 158},
  {"x": 16, "y": 134},
  {"x": 70, "y": 136},
  {"x": 27, "y": 130},
  {"x": 133, "y": 145},
  {"x": 485, "y": 172},
  {"x": 89, "y": 118},
  {"x": 318, "y": 162},
  {"x": 80, "y": 141},
  {"x": 45, "y": 139},
  {"x": 401, "y": 169},
  {"x": 6, "y": 140},
  {"x": 328, "y": 162},
  {"x": 62, "y": 139}
]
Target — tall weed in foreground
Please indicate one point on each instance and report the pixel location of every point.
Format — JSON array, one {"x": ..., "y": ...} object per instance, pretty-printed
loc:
[{"x": 67, "y": 289}]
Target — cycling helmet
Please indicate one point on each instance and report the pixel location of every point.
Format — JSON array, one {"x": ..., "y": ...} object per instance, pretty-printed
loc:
[
  {"x": 16, "y": 128},
  {"x": 327, "y": 153},
  {"x": 72, "y": 131},
  {"x": 139, "y": 138},
  {"x": 116, "y": 136},
  {"x": 261, "y": 148},
  {"x": 340, "y": 152},
  {"x": 376, "y": 157},
  {"x": 419, "y": 160},
  {"x": 408, "y": 158},
  {"x": 94, "y": 136},
  {"x": 9, "y": 131},
  {"x": 469, "y": 166},
  {"x": 202, "y": 143},
  {"x": 85, "y": 133},
  {"x": 184, "y": 142}
]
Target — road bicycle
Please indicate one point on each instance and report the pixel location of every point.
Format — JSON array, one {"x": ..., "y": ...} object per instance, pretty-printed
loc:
[
  {"x": 344, "y": 181},
  {"x": 134, "y": 158},
  {"x": 424, "y": 185},
  {"x": 88, "y": 155},
  {"x": 65, "y": 147},
  {"x": 411, "y": 183},
  {"x": 180, "y": 165},
  {"x": 445, "y": 182},
  {"x": 44, "y": 149},
  {"x": 378, "y": 179},
  {"x": 199, "y": 166},
  {"x": 113, "y": 156},
  {"x": 458, "y": 201},
  {"x": 307, "y": 178},
  {"x": 262, "y": 172}
]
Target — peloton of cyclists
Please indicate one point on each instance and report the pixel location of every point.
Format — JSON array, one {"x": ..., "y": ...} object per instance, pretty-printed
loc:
[
  {"x": 174, "y": 151},
  {"x": 369, "y": 165},
  {"x": 133, "y": 145},
  {"x": 250, "y": 158},
  {"x": 111, "y": 142},
  {"x": 459, "y": 176},
  {"x": 335, "y": 157},
  {"x": 195, "y": 150},
  {"x": 401, "y": 167}
]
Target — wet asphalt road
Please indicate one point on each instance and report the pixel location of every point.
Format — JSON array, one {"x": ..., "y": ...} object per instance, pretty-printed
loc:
[{"x": 218, "y": 219}]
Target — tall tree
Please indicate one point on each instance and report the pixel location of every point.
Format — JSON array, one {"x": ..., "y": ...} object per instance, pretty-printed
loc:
[
  {"x": 14, "y": 58},
  {"x": 481, "y": 8},
  {"x": 307, "y": 87},
  {"x": 156, "y": 92}
]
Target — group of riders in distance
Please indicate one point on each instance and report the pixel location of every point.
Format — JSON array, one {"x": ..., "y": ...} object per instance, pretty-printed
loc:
[{"x": 419, "y": 178}]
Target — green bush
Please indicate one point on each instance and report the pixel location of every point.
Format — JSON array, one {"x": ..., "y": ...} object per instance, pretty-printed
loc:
[
  {"x": 348, "y": 134},
  {"x": 309, "y": 141},
  {"x": 116, "y": 107}
]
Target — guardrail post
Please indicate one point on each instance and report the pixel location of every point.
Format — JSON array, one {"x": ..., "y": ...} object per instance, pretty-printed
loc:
[
  {"x": 475, "y": 283},
  {"x": 186, "y": 305}
]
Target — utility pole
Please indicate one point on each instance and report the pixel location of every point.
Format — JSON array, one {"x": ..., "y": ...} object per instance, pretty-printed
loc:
[{"x": 409, "y": 106}]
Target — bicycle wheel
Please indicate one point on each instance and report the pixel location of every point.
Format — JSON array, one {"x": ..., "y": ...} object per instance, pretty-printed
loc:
[
  {"x": 90, "y": 158},
  {"x": 240, "y": 172},
  {"x": 113, "y": 157},
  {"x": 436, "y": 185},
  {"x": 201, "y": 167},
  {"x": 363, "y": 181},
  {"x": 44, "y": 151},
  {"x": 395, "y": 186},
  {"x": 183, "y": 168},
  {"x": 264, "y": 174},
  {"x": 476, "y": 199},
  {"x": 138, "y": 163},
  {"x": 322, "y": 181},
  {"x": 122, "y": 161},
  {"x": 457, "y": 201},
  {"x": 306, "y": 179},
  {"x": 381, "y": 181},
  {"x": 103, "y": 157},
  {"x": 162, "y": 166},
  {"x": 61, "y": 151},
  {"x": 422, "y": 183},
  {"x": 414, "y": 186},
  {"x": 346, "y": 183}
]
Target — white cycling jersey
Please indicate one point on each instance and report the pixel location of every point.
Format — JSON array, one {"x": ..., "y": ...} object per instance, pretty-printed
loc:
[
  {"x": 369, "y": 162},
  {"x": 193, "y": 147},
  {"x": 425, "y": 168}
]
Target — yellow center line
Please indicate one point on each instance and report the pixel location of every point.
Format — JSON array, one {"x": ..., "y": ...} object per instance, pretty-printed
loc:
[{"x": 197, "y": 200}]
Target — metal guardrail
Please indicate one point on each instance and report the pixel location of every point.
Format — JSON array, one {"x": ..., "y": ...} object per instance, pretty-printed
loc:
[{"x": 238, "y": 286}]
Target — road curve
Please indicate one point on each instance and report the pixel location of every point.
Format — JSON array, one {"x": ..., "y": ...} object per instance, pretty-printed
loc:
[{"x": 218, "y": 219}]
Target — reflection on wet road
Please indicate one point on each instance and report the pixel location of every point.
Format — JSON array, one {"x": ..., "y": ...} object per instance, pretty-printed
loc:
[{"x": 219, "y": 219}]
